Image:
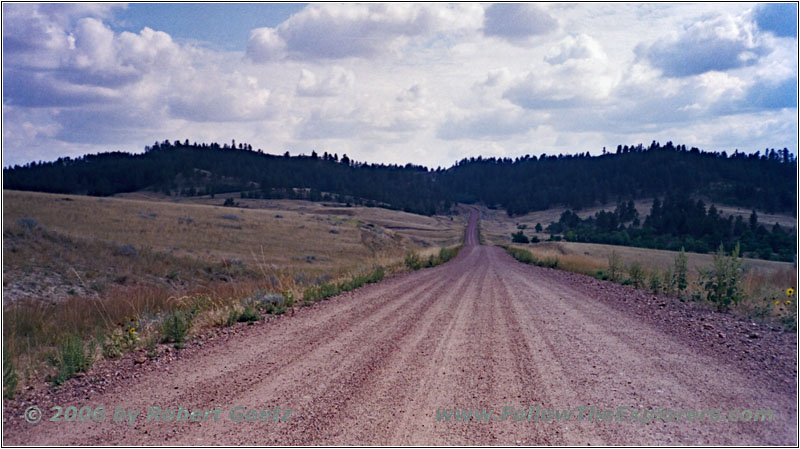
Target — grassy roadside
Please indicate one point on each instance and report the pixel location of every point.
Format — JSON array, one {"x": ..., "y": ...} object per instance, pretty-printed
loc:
[
  {"x": 757, "y": 295},
  {"x": 412, "y": 261},
  {"x": 90, "y": 278},
  {"x": 57, "y": 341}
]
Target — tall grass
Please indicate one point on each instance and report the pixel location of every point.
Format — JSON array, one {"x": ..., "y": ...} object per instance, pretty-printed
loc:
[
  {"x": 73, "y": 356},
  {"x": 10, "y": 377},
  {"x": 414, "y": 261},
  {"x": 525, "y": 256},
  {"x": 329, "y": 289}
]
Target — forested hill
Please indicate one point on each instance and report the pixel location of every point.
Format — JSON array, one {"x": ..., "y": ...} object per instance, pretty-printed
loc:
[{"x": 765, "y": 182}]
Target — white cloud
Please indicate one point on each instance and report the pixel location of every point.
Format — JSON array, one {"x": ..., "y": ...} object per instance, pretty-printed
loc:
[
  {"x": 720, "y": 42},
  {"x": 332, "y": 83},
  {"x": 357, "y": 30},
  {"x": 210, "y": 96},
  {"x": 578, "y": 74},
  {"x": 576, "y": 47},
  {"x": 265, "y": 45}
]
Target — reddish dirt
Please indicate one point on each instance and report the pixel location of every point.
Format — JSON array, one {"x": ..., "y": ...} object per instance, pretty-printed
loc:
[{"x": 479, "y": 332}]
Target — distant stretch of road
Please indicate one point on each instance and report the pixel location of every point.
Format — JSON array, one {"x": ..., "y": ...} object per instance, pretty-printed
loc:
[{"x": 481, "y": 332}]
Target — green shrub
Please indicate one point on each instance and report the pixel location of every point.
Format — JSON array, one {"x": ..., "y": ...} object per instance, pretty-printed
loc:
[
  {"x": 376, "y": 276},
  {"x": 789, "y": 322},
  {"x": 654, "y": 281},
  {"x": 431, "y": 262},
  {"x": 324, "y": 291},
  {"x": 150, "y": 345},
  {"x": 614, "y": 266},
  {"x": 637, "y": 275},
  {"x": 668, "y": 282},
  {"x": 446, "y": 254},
  {"x": 10, "y": 378},
  {"x": 233, "y": 317},
  {"x": 413, "y": 261},
  {"x": 547, "y": 263},
  {"x": 119, "y": 342},
  {"x": 521, "y": 255},
  {"x": 722, "y": 282},
  {"x": 680, "y": 272},
  {"x": 175, "y": 327},
  {"x": 602, "y": 275},
  {"x": 290, "y": 299},
  {"x": 519, "y": 237},
  {"x": 71, "y": 358},
  {"x": 319, "y": 292},
  {"x": 525, "y": 256},
  {"x": 248, "y": 315}
]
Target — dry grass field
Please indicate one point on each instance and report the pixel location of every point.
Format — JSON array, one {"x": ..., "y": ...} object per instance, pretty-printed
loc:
[
  {"x": 111, "y": 269},
  {"x": 296, "y": 236}
]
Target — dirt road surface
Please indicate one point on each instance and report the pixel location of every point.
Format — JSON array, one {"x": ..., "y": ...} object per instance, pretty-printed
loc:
[{"x": 480, "y": 332}]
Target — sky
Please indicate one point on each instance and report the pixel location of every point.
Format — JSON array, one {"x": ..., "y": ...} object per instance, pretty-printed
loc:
[{"x": 393, "y": 83}]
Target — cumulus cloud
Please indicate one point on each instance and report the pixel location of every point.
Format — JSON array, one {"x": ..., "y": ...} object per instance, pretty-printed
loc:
[
  {"x": 399, "y": 113},
  {"x": 357, "y": 30},
  {"x": 336, "y": 81},
  {"x": 576, "y": 47},
  {"x": 579, "y": 74},
  {"x": 515, "y": 21},
  {"x": 721, "y": 42},
  {"x": 209, "y": 96},
  {"x": 265, "y": 45}
]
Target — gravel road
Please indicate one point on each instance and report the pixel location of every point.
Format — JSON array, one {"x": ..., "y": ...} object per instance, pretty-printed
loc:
[{"x": 482, "y": 331}]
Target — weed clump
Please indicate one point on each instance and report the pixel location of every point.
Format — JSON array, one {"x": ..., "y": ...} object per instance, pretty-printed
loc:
[
  {"x": 614, "y": 267},
  {"x": 247, "y": 315},
  {"x": 722, "y": 282},
  {"x": 10, "y": 378},
  {"x": 175, "y": 327},
  {"x": 525, "y": 256},
  {"x": 329, "y": 289},
  {"x": 71, "y": 357},
  {"x": 636, "y": 274},
  {"x": 413, "y": 261},
  {"x": 120, "y": 341}
]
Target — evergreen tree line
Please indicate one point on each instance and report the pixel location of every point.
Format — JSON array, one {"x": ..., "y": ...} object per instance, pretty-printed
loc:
[
  {"x": 760, "y": 181},
  {"x": 756, "y": 181},
  {"x": 678, "y": 222}
]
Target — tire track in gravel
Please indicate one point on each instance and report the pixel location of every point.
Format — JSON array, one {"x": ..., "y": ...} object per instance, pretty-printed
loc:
[{"x": 479, "y": 332}]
